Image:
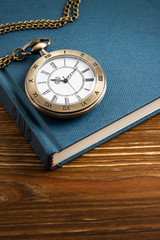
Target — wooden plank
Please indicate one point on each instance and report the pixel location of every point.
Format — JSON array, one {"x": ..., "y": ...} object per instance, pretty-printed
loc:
[{"x": 112, "y": 192}]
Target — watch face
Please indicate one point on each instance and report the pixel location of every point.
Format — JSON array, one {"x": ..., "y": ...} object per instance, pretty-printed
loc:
[
  {"x": 65, "y": 83},
  {"x": 65, "y": 80}
]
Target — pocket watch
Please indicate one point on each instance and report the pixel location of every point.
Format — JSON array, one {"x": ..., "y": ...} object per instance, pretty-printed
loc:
[{"x": 63, "y": 83}]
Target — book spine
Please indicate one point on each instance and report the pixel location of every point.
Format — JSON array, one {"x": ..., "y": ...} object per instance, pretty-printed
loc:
[{"x": 17, "y": 116}]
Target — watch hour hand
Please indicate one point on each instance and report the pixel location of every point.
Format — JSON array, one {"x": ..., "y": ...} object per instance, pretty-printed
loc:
[{"x": 57, "y": 80}]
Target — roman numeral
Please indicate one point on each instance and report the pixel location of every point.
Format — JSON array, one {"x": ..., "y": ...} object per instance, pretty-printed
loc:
[
  {"x": 87, "y": 69},
  {"x": 66, "y": 108},
  {"x": 100, "y": 78},
  {"x": 42, "y": 82},
  {"x": 35, "y": 66},
  {"x": 47, "y": 56},
  {"x": 31, "y": 80},
  {"x": 66, "y": 101},
  {"x": 53, "y": 65},
  {"x": 76, "y": 64},
  {"x": 45, "y": 72},
  {"x": 47, "y": 91},
  {"x": 35, "y": 94},
  {"x": 96, "y": 92},
  {"x": 89, "y": 79},
  {"x": 95, "y": 64},
  {"x": 54, "y": 99},
  {"x": 79, "y": 98},
  {"x": 83, "y": 104},
  {"x": 47, "y": 104},
  {"x": 82, "y": 54}
]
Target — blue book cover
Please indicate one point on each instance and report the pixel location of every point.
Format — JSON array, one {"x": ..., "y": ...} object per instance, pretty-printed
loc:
[{"x": 122, "y": 35}]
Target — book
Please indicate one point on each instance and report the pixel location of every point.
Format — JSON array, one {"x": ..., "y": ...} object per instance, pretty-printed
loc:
[{"x": 123, "y": 36}]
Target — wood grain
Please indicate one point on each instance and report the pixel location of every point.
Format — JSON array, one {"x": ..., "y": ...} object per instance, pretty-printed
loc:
[{"x": 112, "y": 192}]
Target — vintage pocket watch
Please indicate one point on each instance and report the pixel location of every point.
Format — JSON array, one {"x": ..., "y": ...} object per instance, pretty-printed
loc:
[{"x": 63, "y": 83}]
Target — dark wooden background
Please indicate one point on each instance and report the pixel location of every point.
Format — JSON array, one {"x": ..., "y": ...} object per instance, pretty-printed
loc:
[{"x": 112, "y": 192}]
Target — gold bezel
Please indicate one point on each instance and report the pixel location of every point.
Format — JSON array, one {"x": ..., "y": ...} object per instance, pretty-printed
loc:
[{"x": 71, "y": 110}]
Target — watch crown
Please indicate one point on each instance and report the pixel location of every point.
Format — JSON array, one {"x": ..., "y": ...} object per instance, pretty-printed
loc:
[{"x": 37, "y": 46}]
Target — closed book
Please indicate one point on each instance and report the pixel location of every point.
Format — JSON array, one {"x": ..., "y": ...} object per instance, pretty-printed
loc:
[{"x": 123, "y": 36}]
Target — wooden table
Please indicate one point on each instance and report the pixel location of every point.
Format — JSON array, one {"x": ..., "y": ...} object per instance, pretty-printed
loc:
[{"x": 112, "y": 192}]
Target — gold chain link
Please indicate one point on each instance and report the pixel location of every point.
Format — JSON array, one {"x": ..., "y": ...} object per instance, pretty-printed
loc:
[{"x": 38, "y": 24}]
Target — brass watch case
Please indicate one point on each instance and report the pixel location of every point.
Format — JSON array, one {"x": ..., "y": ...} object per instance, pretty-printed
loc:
[{"x": 70, "y": 110}]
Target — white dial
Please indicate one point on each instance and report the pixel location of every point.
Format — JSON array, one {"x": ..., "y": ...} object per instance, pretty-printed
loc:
[{"x": 65, "y": 80}]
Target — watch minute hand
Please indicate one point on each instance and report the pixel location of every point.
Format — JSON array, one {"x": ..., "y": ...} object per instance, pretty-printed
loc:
[{"x": 70, "y": 75}]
